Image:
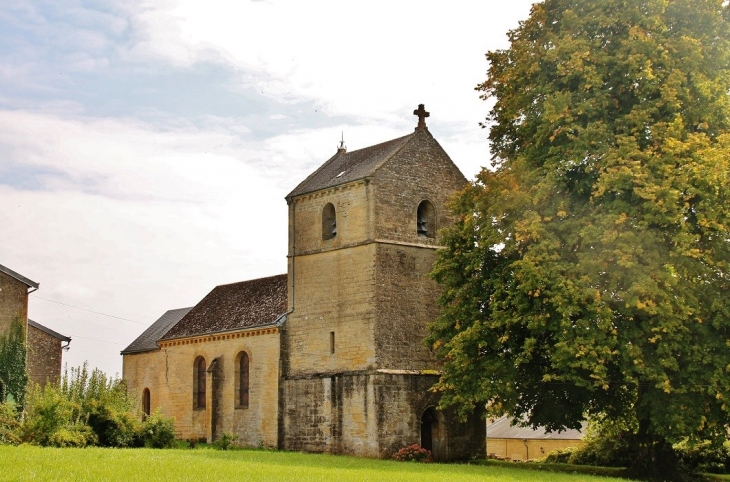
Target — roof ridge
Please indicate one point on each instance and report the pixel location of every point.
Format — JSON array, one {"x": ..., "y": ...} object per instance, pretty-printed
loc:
[{"x": 252, "y": 279}]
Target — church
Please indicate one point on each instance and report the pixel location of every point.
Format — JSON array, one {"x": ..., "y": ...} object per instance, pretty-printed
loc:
[{"x": 328, "y": 357}]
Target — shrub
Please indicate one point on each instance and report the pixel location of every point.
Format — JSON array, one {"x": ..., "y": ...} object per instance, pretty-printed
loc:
[
  {"x": 413, "y": 453},
  {"x": 705, "y": 456},
  {"x": 9, "y": 424},
  {"x": 75, "y": 435},
  {"x": 227, "y": 441},
  {"x": 560, "y": 456},
  {"x": 90, "y": 408},
  {"x": 158, "y": 432}
]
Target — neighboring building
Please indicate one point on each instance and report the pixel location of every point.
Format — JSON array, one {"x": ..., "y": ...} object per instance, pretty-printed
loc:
[
  {"x": 14, "y": 291},
  {"x": 507, "y": 441},
  {"x": 328, "y": 357},
  {"x": 44, "y": 345}
]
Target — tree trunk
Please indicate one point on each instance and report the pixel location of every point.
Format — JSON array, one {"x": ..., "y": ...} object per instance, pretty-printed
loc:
[{"x": 655, "y": 458}]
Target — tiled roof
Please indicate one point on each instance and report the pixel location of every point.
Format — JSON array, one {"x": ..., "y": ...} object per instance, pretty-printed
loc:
[
  {"x": 239, "y": 305},
  {"x": 147, "y": 341},
  {"x": 502, "y": 428},
  {"x": 45, "y": 329},
  {"x": 19, "y": 277},
  {"x": 344, "y": 167}
]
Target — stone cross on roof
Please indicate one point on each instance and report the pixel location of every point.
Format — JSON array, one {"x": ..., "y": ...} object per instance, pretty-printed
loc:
[{"x": 422, "y": 114}]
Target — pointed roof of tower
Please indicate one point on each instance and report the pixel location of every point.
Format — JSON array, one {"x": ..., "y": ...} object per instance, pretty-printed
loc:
[{"x": 346, "y": 167}]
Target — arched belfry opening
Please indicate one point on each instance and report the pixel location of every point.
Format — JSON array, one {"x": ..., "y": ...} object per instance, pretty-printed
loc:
[
  {"x": 433, "y": 433},
  {"x": 426, "y": 220},
  {"x": 329, "y": 222}
]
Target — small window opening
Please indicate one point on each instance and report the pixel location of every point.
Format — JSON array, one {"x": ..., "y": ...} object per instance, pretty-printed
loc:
[
  {"x": 329, "y": 222},
  {"x": 199, "y": 383},
  {"x": 243, "y": 380},
  {"x": 426, "y": 220},
  {"x": 332, "y": 342},
  {"x": 146, "y": 402}
]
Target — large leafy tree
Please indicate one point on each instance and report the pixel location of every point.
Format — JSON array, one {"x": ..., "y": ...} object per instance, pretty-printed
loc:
[{"x": 588, "y": 272}]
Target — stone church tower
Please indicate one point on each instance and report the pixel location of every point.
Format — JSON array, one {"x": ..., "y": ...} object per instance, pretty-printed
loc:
[{"x": 362, "y": 240}]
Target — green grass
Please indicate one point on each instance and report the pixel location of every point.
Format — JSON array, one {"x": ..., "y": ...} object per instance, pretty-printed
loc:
[{"x": 27, "y": 463}]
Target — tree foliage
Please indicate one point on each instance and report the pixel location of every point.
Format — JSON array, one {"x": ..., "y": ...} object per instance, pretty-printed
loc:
[
  {"x": 587, "y": 273},
  {"x": 13, "y": 372}
]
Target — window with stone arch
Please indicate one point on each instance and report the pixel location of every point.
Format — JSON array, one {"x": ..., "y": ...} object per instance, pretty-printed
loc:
[
  {"x": 329, "y": 222},
  {"x": 426, "y": 219},
  {"x": 199, "y": 383},
  {"x": 242, "y": 378},
  {"x": 146, "y": 402}
]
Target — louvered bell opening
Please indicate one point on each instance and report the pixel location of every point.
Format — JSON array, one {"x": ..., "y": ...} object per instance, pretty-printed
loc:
[{"x": 422, "y": 227}]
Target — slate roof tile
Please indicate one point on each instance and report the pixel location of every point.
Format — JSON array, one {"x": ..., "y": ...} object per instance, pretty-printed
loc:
[
  {"x": 147, "y": 341},
  {"x": 45, "y": 329},
  {"x": 19, "y": 277},
  {"x": 345, "y": 167}
]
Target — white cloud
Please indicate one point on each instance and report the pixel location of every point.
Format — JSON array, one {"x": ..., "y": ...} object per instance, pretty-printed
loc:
[{"x": 366, "y": 59}]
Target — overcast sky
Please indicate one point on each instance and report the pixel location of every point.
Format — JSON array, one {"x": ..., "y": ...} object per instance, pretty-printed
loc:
[{"x": 146, "y": 146}]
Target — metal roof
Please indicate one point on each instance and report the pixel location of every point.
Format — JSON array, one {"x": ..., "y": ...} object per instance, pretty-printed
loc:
[
  {"x": 503, "y": 428},
  {"x": 147, "y": 341},
  {"x": 19, "y": 277},
  {"x": 45, "y": 329}
]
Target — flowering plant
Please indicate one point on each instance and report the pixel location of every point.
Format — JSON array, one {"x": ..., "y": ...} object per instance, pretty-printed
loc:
[{"x": 413, "y": 453}]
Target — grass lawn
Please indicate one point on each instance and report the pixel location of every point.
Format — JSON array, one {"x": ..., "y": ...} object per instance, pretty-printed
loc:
[{"x": 27, "y": 463}]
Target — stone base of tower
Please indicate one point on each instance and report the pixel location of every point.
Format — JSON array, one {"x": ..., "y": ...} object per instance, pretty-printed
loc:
[{"x": 373, "y": 414}]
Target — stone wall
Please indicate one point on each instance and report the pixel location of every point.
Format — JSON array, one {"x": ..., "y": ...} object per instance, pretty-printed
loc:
[
  {"x": 168, "y": 374},
  {"x": 44, "y": 357},
  {"x": 420, "y": 171},
  {"x": 13, "y": 301},
  {"x": 371, "y": 414},
  {"x": 334, "y": 302},
  {"x": 406, "y": 301}
]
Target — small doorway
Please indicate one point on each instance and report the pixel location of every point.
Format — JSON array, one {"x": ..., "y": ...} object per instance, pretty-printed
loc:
[
  {"x": 433, "y": 433},
  {"x": 427, "y": 420}
]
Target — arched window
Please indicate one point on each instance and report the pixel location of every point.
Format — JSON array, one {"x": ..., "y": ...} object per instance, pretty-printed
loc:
[
  {"x": 426, "y": 220},
  {"x": 146, "y": 402},
  {"x": 199, "y": 383},
  {"x": 242, "y": 380},
  {"x": 329, "y": 222}
]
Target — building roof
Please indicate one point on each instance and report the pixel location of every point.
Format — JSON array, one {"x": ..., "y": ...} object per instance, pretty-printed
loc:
[
  {"x": 147, "y": 341},
  {"x": 235, "y": 306},
  {"x": 503, "y": 428},
  {"x": 345, "y": 167},
  {"x": 19, "y": 277},
  {"x": 45, "y": 329}
]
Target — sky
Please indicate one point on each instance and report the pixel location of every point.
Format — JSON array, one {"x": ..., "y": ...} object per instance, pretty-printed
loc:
[{"x": 146, "y": 147}]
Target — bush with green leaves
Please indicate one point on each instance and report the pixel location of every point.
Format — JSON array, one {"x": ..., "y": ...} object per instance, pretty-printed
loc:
[
  {"x": 158, "y": 432},
  {"x": 90, "y": 408},
  {"x": 226, "y": 441},
  {"x": 9, "y": 424}
]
